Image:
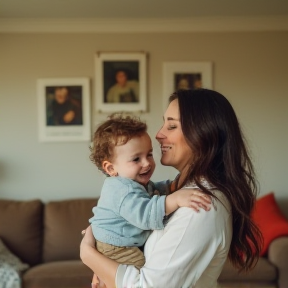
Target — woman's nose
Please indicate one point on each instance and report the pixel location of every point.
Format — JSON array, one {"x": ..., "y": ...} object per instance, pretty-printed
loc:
[{"x": 160, "y": 135}]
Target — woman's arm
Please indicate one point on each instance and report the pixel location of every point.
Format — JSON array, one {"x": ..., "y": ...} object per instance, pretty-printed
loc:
[{"x": 104, "y": 267}]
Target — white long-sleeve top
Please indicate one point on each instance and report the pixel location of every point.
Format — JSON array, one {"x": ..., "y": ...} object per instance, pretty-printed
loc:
[{"x": 189, "y": 252}]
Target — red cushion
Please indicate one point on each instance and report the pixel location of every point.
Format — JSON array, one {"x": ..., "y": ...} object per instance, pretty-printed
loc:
[{"x": 270, "y": 220}]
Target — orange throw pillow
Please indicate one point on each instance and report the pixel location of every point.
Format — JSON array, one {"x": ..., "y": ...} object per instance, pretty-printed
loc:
[{"x": 270, "y": 220}]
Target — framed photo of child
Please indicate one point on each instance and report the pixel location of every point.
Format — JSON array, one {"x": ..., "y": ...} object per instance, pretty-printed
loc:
[
  {"x": 63, "y": 109},
  {"x": 120, "y": 84}
]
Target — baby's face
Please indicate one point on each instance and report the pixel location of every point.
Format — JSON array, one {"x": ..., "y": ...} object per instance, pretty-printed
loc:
[{"x": 134, "y": 160}]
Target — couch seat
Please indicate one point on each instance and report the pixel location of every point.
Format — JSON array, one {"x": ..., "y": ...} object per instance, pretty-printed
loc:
[
  {"x": 58, "y": 274},
  {"x": 264, "y": 275}
]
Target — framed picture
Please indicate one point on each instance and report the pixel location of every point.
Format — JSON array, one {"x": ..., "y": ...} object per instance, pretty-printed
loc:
[
  {"x": 63, "y": 109},
  {"x": 120, "y": 82},
  {"x": 185, "y": 75}
]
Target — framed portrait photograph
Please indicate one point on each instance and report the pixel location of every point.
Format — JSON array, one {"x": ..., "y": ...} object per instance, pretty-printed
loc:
[
  {"x": 63, "y": 109},
  {"x": 120, "y": 84},
  {"x": 185, "y": 75}
]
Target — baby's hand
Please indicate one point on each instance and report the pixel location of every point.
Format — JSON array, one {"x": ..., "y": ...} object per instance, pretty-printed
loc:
[{"x": 193, "y": 198}]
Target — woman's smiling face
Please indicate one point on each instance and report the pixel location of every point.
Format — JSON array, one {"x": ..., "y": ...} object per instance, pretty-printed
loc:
[{"x": 174, "y": 148}]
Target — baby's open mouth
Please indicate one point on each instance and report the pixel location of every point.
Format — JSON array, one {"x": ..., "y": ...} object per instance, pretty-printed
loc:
[{"x": 145, "y": 173}]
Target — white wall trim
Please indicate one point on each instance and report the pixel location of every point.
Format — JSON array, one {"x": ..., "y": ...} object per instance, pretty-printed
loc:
[{"x": 200, "y": 24}]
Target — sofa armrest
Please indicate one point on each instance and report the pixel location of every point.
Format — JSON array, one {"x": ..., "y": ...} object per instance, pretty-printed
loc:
[{"x": 278, "y": 255}]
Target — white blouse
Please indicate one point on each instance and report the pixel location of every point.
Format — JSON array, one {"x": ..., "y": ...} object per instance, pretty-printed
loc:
[{"x": 189, "y": 252}]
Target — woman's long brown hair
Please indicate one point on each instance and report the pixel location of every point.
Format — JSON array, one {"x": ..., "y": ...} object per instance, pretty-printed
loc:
[{"x": 212, "y": 131}]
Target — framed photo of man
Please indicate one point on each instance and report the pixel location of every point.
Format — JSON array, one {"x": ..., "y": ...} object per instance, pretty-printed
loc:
[
  {"x": 63, "y": 109},
  {"x": 120, "y": 84},
  {"x": 185, "y": 75}
]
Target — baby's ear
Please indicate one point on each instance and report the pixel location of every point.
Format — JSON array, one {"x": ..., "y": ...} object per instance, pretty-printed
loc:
[{"x": 108, "y": 167}]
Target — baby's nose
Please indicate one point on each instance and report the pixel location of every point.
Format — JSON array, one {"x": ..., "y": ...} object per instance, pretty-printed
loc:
[{"x": 146, "y": 163}]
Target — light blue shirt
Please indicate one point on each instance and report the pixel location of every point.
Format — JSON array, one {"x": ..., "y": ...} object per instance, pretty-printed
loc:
[{"x": 125, "y": 212}]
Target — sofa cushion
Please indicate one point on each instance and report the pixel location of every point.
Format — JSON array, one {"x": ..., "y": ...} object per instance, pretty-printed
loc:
[
  {"x": 21, "y": 228},
  {"x": 59, "y": 274},
  {"x": 247, "y": 285},
  {"x": 270, "y": 220},
  {"x": 264, "y": 271},
  {"x": 63, "y": 223}
]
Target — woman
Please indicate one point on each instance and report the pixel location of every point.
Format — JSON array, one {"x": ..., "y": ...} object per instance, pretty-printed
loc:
[{"x": 202, "y": 139}]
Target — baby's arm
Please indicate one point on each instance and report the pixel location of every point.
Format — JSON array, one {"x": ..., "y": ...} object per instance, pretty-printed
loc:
[{"x": 187, "y": 197}]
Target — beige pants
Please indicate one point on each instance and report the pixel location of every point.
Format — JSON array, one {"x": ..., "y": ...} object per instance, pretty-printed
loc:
[{"x": 123, "y": 255}]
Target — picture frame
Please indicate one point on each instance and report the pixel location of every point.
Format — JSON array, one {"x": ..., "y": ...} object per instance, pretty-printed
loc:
[
  {"x": 63, "y": 109},
  {"x": 121, "y": 83},
  {"x": 185, "y": 75}
]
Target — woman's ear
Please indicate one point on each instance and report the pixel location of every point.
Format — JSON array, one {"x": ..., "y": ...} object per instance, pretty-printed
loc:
[{"x": 108, "y": 167}]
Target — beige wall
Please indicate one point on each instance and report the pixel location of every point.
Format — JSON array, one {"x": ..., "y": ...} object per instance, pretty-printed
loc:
[{"x": 249, "y": 68}]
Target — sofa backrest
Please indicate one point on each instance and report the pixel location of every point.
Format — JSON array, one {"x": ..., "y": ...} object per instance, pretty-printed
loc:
[
  {"x": 21, "y": 228},
  {"x": 63, "y": 223}
]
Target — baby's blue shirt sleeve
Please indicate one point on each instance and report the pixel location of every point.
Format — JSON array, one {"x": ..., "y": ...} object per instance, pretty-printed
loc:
[{"x": 142, "y": 211}]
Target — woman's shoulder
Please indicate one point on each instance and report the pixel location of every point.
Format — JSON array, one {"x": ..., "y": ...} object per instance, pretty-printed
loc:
[
  {"x": 218, "y": 198},
  {"x": 221, "y": 200},
  {"x": 218, "y": 215}
]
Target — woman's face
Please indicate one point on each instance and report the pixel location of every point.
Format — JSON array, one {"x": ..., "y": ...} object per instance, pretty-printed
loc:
[{"x": 174, "y": 148}]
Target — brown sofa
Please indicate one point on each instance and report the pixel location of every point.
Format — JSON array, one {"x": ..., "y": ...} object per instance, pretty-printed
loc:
[{"x": 47, "y": 237}]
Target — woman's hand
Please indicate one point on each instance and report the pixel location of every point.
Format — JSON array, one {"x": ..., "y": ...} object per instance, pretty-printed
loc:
[
  {"x": 97, "y": 283},
  {"x": 102, "y": 266},
  {"x": 188, "y": 197},
  {"x": 88, "y": 238},
  {"x": 87, "y": 244},
  {"x": 88, "y": 241}
]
